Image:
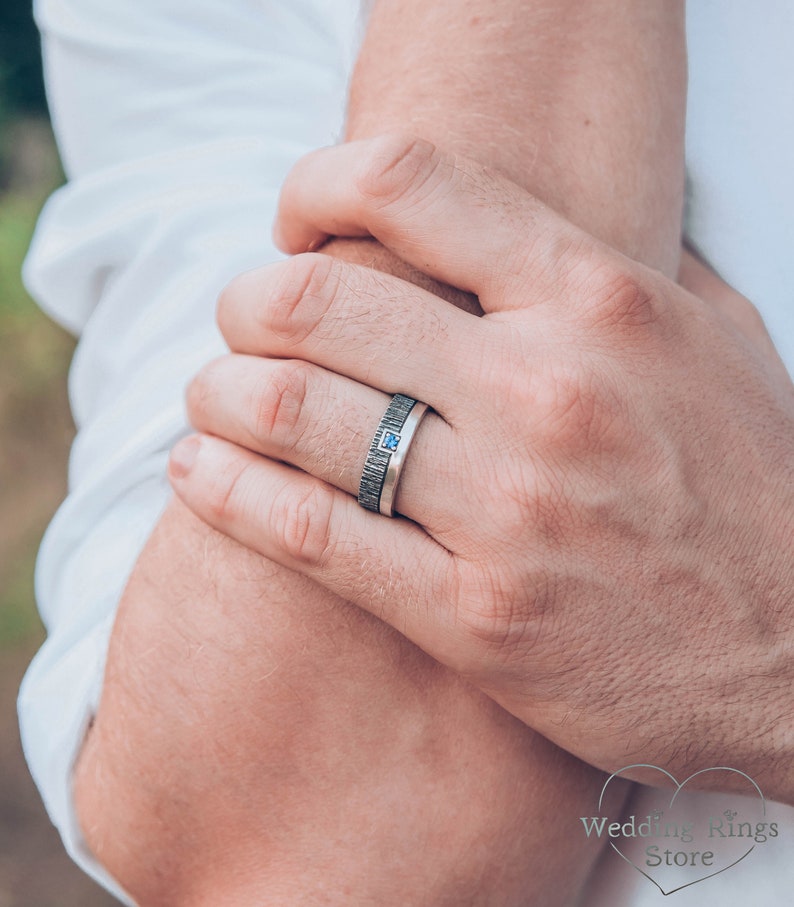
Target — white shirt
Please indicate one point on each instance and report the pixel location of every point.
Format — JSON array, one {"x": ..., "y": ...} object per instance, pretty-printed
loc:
[{"x": 177, "y": 122}]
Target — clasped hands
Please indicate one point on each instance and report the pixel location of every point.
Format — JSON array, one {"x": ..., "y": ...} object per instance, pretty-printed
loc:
[{"x": 598, "y": 513}]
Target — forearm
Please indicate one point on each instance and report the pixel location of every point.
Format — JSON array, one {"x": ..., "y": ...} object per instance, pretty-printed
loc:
[
  {"x": 581, "y": 103},
  {"x": 330, "y": 756}
]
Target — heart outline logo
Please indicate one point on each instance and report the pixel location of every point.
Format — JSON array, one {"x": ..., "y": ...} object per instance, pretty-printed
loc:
[{"x": 679, "y": 787}]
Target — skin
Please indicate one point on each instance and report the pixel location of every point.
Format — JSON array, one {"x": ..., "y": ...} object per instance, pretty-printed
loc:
[
  {"x": 628, "y": 517},
  {"x": 579, "y": 101},
  {"x": 258, "y": 733}
]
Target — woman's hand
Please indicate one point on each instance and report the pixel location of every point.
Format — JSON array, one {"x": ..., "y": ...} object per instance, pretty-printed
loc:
[{"x": 600, "y": 509}]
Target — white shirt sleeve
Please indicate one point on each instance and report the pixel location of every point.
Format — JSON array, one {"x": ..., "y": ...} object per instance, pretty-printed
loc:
[{"x": 176, "y": 122}]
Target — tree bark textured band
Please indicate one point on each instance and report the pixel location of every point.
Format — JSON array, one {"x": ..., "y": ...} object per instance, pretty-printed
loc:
[{"x": 378, "y": 487}]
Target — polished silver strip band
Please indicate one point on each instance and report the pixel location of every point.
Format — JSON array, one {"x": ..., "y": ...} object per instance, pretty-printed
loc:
[
  {"x": 387, "y": 453},
  {"x": 397, "y": 458}
]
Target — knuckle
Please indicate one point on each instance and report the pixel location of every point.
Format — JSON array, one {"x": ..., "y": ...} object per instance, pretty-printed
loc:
[
  {"x": 301, "y": 523},
  {"x": 561, "y": 404},
  {"x": 533, "y": 260},
  {"x": 226, "y": 495},
  {"x": 615, "y": 298},
  {"x": 303, "y": 293},
  {"x": 277, "y": 400},
  {"x": 567, "y": 407},
  {"x": 488, "y": 620},
  {"x": 502, "y": 618},
  {"x": 396, "y": 168}
]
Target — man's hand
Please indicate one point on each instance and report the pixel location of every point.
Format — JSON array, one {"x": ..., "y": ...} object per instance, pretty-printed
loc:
[
  {"x": 226, "y": 671},
  {"x": 602, "y": 503}
]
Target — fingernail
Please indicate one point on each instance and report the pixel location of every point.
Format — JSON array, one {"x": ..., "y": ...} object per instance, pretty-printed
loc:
[{"x": 183, "y": 456}]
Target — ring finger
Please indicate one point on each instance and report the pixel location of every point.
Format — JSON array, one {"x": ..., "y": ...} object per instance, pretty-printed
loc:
[{"x": 321, "y": 422}]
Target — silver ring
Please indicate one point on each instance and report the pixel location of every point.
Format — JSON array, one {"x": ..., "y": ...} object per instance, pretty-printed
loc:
[{"x": 387, "y": 453}]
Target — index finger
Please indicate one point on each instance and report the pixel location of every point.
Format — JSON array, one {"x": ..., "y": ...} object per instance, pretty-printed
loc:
[{"x": 453, "y": 219}]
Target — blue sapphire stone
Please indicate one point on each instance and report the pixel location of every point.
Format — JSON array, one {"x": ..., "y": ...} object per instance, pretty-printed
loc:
[{"x": 390, "y": 441}]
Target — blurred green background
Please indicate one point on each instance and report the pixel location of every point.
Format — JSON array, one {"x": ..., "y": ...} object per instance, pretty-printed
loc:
[{"x": 35, "y": 433}]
